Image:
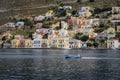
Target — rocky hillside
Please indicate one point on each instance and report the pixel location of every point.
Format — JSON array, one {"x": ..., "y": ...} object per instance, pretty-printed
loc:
[
  {"x": 13, "y": 7},
  {"x": 13, "y": 4}
]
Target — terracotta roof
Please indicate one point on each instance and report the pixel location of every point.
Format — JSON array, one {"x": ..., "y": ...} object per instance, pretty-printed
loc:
[{"x": 115, "y": 38}]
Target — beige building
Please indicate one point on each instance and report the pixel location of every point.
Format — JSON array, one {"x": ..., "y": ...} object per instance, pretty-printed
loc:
[
  {"x": 118, "y": 28},
  {"x": 18, "y": 37},
  {"x": 113, "y": 44},
  {"x": 116, "y": 16},
  {"x": 73, "y": 43},
  {"x": 45, "y": 43},
  {"x": 111, "y": 32},
  {"x": 61, "y": 42},
  {"x": 115, "y": 10}
]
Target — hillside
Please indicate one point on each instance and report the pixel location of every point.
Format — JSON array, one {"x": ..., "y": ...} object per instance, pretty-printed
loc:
[
  {"x": 14, "y": 7},
  {"x": 15, "y": 4}
]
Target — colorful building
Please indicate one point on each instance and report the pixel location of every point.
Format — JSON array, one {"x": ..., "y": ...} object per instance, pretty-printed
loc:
[
  {"x": 37, "y": 43},
  {"x": 61, "y": 42},
  {"x": 15, "y": 43},
  {"x": 113, "y": 43},
  {"x": 73, "y": 43},
  {"x": 28, "y": 43}
]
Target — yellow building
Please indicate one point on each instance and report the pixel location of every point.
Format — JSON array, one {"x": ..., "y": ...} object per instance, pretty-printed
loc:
[
  {"x": 15, "y": 43},
  {"x": 45, "y": 43},
  {"x": 28, "y": 43}
]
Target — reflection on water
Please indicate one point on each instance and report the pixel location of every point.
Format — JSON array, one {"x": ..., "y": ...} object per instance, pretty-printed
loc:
[{"x": 51, "y": 65}]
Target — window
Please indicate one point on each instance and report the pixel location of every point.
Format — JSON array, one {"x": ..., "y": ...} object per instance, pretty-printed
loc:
[{"x": 36, "y": 42}]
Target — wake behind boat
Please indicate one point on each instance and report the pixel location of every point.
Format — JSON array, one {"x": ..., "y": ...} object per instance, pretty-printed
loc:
[
  {"x": 72, "y": 56},
  {"x": 66, "y": 48}
]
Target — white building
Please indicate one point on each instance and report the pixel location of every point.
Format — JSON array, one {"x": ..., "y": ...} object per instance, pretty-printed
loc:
[
  {"x": 39, "y": 18},
  {"x": 115, "y": 10},
  {"x": 111, "y": 33},
  {"x": 19, "y": 24},
  {"x": 61, "y": 42},
  {"x": 37, "y": 43},
  {"x": 73, "y": 43},
  {"x": 113, "y": 44},
  {"x": 10, "y": 26}
]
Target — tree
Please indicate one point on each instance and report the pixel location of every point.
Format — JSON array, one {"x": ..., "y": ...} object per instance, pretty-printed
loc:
[
  {"x": 57, "y": 28},
  {"x": 78, "y": 0},
  {"x": 28, "y": 22},
  {"x": 61, "y": 13},
  {"x": 84, "y": 38},
  {"x": 8, "y": 41},
  {"x": 91, "y": 0},
  {"x": 70, "y": 27},
  {"x": 118, "y": 34},
  {"x": 30, "y": 35},
  {"x": 4, "y": 38},
  {"x": 98, "y": 30},
  {"x": 45, "y": 36},
  {"x": 95, "y": 44},
  {"x": 103, "y": 26},
  {"x": 74, "y": 12},
  {"x": 46, "y": 26},
  {"x": 102, "y": 41},
  {"x": 46, "y": 0},
  {"x": 89, "y": 44},
  {"x": 78, "y": 35}
]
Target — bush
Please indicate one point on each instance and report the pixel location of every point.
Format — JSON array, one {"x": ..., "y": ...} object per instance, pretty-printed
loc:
[
  {"x": 46, "y": 26},
  {"x": 74, "y": 12},
  {"x": 98, "y": 30},
  {"x": 78, "y": 35},
  {"x": 70, "y": 27},
  {"x": 95, "y": 44},
  {"x": 61, "y": 13},
  {"x": 78, "y": 0},
  {"x": 84, "y": 38},
  {"x": 89, "y": 44},
  {"x": 45, "y": 36}
]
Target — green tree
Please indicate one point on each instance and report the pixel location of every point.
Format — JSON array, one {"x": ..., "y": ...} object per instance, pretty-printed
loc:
[
  {"x": 98, "y": 30},
  {"x": 74, "y": 12},
  {"x": 78, "y": 35},
  {"x": 89, "y": 44},
  {"x": 91, "y": 0},
  {"x": 102, "y": 42},
  {"x": 30, "y": 35},
  {"x": 45, "y": 36},
  {"x": 84, "y": 38},
  {"x": 28, "y": 22},
  {"x": 4, "y": 38},
  {"x": 95, "y": 44},
  {"x": 78, "y": 0},
  {"x": 61, "y": 13},
  {"x": 70, "y": 27},
  {"x": 103, "y": 26},
  {"x": 118, "y": 35},
  {"x": 46, "y": 26}
]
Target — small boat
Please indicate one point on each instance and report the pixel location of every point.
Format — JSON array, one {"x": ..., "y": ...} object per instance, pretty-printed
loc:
[{"x": 72, "y": 56}]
